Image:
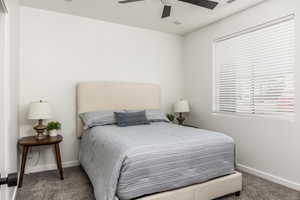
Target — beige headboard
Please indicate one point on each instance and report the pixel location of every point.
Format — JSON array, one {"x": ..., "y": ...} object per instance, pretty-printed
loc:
[{"x": 102, "y": 96}]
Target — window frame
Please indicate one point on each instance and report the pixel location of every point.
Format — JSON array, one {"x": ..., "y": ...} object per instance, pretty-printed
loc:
[{"x": 289, "y": 117}]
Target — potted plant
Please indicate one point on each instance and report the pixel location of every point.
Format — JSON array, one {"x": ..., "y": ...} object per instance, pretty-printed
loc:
[
  {"x": 171, "y": 117},
  {"x": 53, "y": 127}
]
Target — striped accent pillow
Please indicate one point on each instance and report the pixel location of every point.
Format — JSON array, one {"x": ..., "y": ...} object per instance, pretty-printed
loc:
[{"x": 131, "y": 118}]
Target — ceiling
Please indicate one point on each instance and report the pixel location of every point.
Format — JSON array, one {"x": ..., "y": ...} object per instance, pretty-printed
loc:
[{"x": 145, "y": 14}]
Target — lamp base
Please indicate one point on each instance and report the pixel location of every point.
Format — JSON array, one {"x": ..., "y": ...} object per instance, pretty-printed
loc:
[
  {"x": 40, "y": 128},
  {"x": 180, "y": 119},
  {"x": 40, "y": 137}
]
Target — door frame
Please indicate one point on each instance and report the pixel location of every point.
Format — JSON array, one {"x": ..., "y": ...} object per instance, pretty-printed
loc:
[{"x": 3, "y": 65}]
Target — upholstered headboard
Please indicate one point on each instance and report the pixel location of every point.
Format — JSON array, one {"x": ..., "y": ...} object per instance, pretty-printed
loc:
[{"x": 101, "y": 96}]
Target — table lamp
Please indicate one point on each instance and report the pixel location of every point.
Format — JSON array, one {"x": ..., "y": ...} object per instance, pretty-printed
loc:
[
  {"x": 39, "y": 111},
  {"x": 181, "y": 107}
]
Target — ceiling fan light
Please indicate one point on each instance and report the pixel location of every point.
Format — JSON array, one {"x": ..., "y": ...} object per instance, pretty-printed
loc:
[{"x": 167, "y": 2}]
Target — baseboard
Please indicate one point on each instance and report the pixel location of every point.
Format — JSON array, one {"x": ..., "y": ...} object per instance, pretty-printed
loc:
[
  {"x": 41, "y": 168},
  {"x": 270, "y": 177},
  {"x": 261, "y": 174}
]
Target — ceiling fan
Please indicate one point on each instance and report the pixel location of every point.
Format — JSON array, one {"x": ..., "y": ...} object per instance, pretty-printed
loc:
[{"x": 167, "y": 8}]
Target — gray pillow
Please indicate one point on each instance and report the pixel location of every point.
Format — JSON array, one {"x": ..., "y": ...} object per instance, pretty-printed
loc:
[
  {"x": 131, "y": 118},
  {"x": 154, "y": 115},
  {"x": 100, "y": 118}
]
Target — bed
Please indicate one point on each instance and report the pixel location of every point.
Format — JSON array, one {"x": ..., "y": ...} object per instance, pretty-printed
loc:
[{"x": 160, "y": 161}]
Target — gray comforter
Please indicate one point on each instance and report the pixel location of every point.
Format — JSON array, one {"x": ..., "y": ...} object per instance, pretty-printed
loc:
[{"x": 130, "y": 162}]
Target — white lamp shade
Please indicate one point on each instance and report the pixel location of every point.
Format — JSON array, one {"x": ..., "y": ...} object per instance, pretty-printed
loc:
[
  {"x": 39, "y": 110},
  {"x": 182, "y": 107}
]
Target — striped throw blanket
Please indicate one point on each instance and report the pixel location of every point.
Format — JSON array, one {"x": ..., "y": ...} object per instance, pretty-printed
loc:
[{"x": 130, "y": 162}]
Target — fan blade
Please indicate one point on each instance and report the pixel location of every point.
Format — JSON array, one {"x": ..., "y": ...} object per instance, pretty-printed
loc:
[
  {"x": 203, "y": 3},
  {"x": 129, "y": 1},
  {"x": 166, "y": 11}
]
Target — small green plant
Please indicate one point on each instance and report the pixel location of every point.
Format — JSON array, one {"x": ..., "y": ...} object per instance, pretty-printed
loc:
[
  {"x": 53, "y": 126},
  {"x": 171, "y": 117}
]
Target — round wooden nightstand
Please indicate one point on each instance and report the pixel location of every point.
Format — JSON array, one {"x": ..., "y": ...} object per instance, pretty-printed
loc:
[{"x": 27, "y": 142}]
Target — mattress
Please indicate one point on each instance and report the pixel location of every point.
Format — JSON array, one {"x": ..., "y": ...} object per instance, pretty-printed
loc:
[{"x": 130, "y": 162}]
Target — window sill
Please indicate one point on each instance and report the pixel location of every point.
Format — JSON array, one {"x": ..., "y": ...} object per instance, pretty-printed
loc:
[{"x": 290, "y": 118}]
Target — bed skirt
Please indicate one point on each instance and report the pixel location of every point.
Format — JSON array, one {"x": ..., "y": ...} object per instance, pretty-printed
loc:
[{"x": 205, "y": 191}]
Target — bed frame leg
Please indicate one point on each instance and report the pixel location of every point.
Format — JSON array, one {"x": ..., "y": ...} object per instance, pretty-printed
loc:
[{"x": 237, "y": 194}]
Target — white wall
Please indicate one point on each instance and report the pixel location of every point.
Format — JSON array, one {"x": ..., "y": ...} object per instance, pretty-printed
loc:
[
  {"x": 267, "y": 147},
  {"x": 11, "y": 90},
  {"x": 59, "y": 50}
]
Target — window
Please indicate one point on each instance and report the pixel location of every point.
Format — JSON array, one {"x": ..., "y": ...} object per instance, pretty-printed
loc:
[{"x": 254, "y": 70}]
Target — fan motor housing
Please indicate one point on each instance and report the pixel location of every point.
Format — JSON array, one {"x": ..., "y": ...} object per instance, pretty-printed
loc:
[{"x": 167, "y": 2}]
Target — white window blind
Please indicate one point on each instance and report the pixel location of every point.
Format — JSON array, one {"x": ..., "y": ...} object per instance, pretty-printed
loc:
[{"x": 254, "y": 70}]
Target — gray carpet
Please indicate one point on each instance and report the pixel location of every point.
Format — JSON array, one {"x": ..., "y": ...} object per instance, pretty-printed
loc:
[{"x": 76, "y": 186}]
